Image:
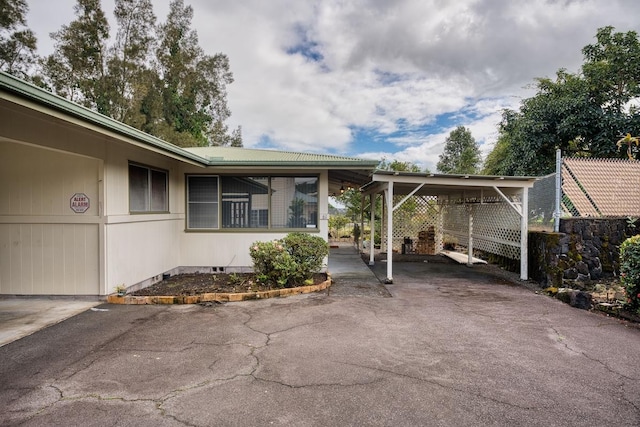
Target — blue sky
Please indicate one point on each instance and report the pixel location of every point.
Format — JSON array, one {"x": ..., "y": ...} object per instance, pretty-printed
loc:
[{"x": 380, "y": 78}]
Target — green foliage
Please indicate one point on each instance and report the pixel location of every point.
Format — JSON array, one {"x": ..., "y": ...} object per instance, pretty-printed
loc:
[
  {"x": 630, "y": 271},
  {"x": 461, "y": 153},
  {"x": 77, "y": 68},
  {"x": 272, "y": 264},
  {"x": 17, "y": 43},
  {"x": 337, "y": 223},
  {"x": 307, "y": 251},
  {"x": 128, "y": 65},
  {"x": 396, "y": 165},
  {"x": 155, "y": 78},
  {"x": 352, "y": 201},
  {"x": 289, "y": 261},
  {"x": 583, "y": 114},
  {"x": 497, "y": 160}
]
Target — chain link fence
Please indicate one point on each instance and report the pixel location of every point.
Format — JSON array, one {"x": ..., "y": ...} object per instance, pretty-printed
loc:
[
  {"x": 589, "y": 188},
  {"x": 542, "y": 203}
]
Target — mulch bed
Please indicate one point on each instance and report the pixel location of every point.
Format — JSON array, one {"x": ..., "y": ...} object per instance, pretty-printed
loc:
[{"x": 201, "y": 283}]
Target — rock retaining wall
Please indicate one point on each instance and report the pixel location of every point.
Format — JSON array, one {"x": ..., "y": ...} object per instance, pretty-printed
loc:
[{"x": 585, "y": 249}]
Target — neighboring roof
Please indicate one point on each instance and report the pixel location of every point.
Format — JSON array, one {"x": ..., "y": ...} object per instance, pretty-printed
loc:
[
  {"x": 15, "y": 90},
  {"x": 228, "y": 156},
  {"x": 602, "y": 187}
]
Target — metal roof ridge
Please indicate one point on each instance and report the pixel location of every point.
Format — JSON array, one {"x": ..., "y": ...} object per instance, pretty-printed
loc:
[{"x": 299, "y": 154}]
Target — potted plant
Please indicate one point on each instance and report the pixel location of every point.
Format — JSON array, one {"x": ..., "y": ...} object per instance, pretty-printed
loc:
[{"x": 121, "y": 290}]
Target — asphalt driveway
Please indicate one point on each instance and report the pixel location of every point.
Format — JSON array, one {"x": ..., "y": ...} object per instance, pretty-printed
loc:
[{"x": 454, "y": 346}]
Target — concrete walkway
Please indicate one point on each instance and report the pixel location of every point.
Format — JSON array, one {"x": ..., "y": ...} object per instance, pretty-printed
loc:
[
  {"x": 350, "y": 275},
  {"x": 20, "y": 317}
]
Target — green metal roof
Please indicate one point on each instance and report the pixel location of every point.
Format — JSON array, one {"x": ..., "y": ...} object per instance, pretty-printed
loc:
[
  {"x": 205, "y": 156},
  {"x": 235, "y": 156}
]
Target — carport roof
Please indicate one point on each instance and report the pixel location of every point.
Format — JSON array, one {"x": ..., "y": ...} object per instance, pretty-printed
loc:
[
  {"x": 469, "y": 186},
  {"x": 457, "y": 188}
]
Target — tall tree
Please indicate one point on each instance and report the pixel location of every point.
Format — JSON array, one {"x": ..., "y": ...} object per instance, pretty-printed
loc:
[
  {"x": 155, "y": 78},
  {"x": 581, "y": 114},
  {"x": 193, "y": 85},
  {"x": 77, "y": 68},
  {"x": 612, "y": 71},
  {"x": 128, "y": 62},
  {"x": 17, "y": 43},
  {"x": 461, "y": 153}
]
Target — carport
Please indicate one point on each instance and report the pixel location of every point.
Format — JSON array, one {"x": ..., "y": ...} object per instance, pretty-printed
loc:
[{"x": 477, "y": 211}]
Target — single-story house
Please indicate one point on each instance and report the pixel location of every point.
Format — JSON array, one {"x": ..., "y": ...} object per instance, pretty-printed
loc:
[{"x": 88, "y": 203}]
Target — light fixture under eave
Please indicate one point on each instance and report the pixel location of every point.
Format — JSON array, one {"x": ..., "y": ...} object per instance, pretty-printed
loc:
[{"x": 342, "y": 188}]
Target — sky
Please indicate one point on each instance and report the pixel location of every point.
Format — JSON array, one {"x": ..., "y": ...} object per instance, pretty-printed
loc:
[{"x": 379, "y": 78}]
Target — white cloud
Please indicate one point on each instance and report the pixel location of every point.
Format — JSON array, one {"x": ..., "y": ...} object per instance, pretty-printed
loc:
[{"x": 388, "y": 66}]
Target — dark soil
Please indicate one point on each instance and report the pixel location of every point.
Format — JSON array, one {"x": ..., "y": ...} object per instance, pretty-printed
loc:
[{"x": 200, "y": 283}]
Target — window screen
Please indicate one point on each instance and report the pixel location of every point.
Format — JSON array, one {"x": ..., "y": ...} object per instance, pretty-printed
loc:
[
  {"x": 243, "y": 198},
  {"x": 294, "y": 202},
  {"x": 248, "y": 202},
  {"x": 202, "y": 202}
]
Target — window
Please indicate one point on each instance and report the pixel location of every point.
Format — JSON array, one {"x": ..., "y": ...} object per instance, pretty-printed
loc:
[
  {"x": 249, "y": 202},
  {"x": 242, "y": 198},
  {"x": 294, "y": 202},
  {"x": 148, "y": 189},
  {"x": 202, "y": 202}
]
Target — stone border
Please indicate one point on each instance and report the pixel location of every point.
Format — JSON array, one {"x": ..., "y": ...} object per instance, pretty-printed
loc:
[{"x": 217, "y": 296}]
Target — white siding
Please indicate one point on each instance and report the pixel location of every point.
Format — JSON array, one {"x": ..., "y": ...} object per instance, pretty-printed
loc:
[
  {"x": 49, "y": 259},
  {"x": 45, "y": 247},
  {"x": 137, "y": 251},
  {"x": 36, "y": 181}
]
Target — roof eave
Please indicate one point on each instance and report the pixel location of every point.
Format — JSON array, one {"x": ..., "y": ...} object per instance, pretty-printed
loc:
[{"x": 29, "y": 92}]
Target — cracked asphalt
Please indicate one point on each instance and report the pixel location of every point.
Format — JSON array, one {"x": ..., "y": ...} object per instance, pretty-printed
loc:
[{"x": 453, "y": 346}]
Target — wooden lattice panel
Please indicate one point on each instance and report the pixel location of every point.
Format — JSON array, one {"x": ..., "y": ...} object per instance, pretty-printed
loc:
[
  {"x": 496, "y": 228},
  {"x": 416, "y": 215}
]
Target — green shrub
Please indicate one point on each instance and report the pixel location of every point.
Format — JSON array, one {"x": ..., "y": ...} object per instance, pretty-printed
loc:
[
  {"x": 289, "y": 261},
  {"x": 630, "y": 271},
  {"x": 307, "y": 251}
]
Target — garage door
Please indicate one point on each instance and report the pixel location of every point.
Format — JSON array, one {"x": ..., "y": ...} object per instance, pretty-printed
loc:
[{"x": 49, "y": 222}]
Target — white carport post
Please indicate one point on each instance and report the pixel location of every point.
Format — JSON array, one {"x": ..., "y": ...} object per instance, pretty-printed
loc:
[
  {"x": 388, "y": 192},
  {"x": 470, "y": 236},
  {"x": 372, "y": 225},
  {"x": 523, "y": 211},
  {"x": 524, "y": 235}
]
